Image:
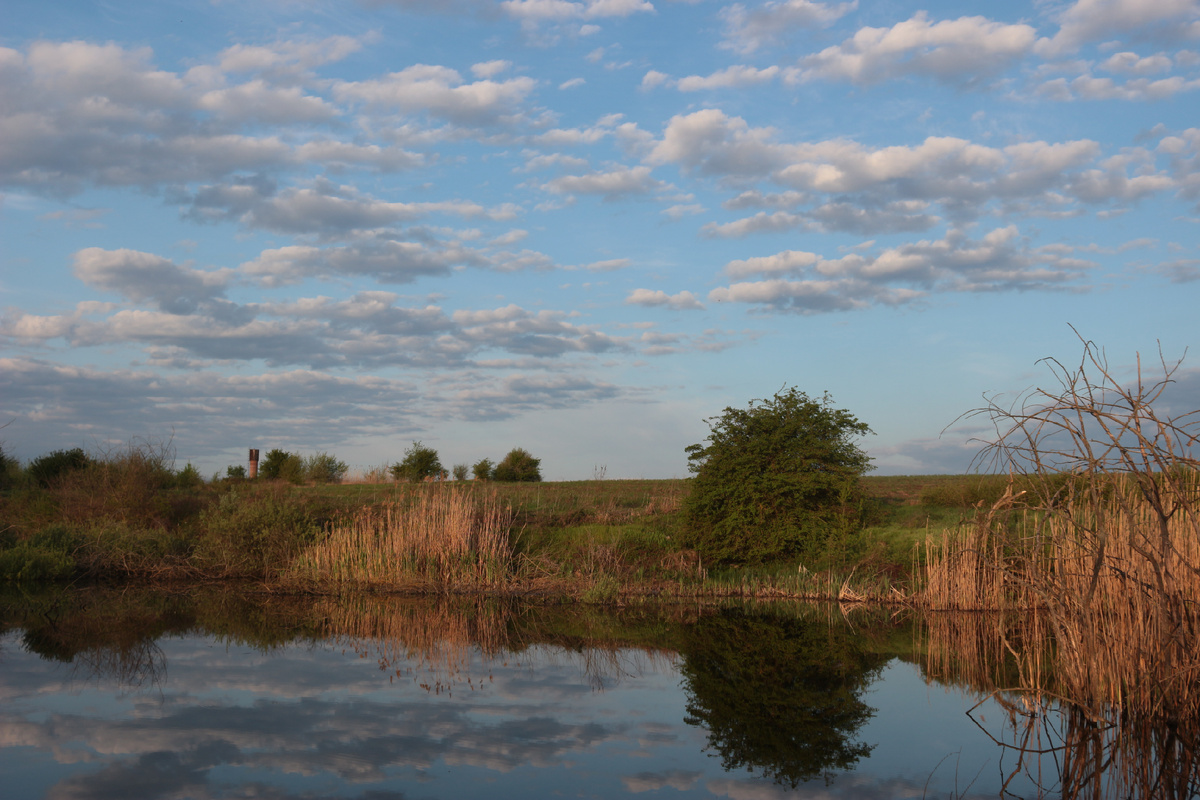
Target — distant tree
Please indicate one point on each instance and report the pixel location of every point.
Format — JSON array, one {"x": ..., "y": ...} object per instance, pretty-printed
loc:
[
  {"x": 235, "y": 473},
  {"x": 482, "y": 471},
  {"x": 420, "y": 462},
  {"x": 324, "y": 468},
  {"x": 281, "y": 465},
  {"x": 775, "y": 480},
  {"x": 459, "y": 472},
  {"x": 45, "y": 470},
  {"x": 189, "y": 477},
  {"x": 518, "y": 465}
]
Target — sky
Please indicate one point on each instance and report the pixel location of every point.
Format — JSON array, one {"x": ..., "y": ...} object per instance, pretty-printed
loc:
[{"x": 581, "y": 227}]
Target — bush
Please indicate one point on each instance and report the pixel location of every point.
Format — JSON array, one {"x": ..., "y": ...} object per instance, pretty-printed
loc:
[
  {"x": 459, "y": 472},
  {"x": 248, "y": 534},
  {"x": 324, "y": 468},
  {"x": 189, "y": 478},
  {"x": 47, "y": 469},
  {"x": 518, "y": 465},
  {"x": 281, "y": 465},
  {"x": 235, "y": 473},
  {"x": 10, "y": 470},
  {"x": 420, "y": 462},
  {"x": 776, "y": 480},
  {"x": 482, "y": 471}
]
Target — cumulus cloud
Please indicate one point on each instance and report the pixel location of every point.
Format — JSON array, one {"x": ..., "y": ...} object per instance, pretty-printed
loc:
[
  {"x": 656, "y": 297},
  {"x": 442, "y": 93},
  {"x": 1092, "y": 20},
  {"x": 805, "y": 283},
  {"x": 769, "y": 23},
  {"x": 612, "y": 184},
  {"x": 959, "y": 51},
  {"x": 534, "y": 12},
  {"x": 851, "y": 187},
  {"x": 146, "y": 277}
]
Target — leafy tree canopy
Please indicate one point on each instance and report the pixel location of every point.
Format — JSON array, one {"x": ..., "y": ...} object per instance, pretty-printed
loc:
[
  {"x": 282, "y": 465},
  {"x": 482, "y": 471},
  {"x": 518, "y": 465},
  {"x": 420, "y": 462},
  {"x": 775, "y": 480}
]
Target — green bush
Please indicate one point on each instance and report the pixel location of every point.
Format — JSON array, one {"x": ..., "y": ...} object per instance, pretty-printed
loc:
[
  {"x": 482, "y": 470},
  {"x": 518, "y": 466},
  {"x": 459, "y": 472},
  {"x": 47, "y": 469},
  {"x": 235, "y": 473},
  {"x": 27, "y": 563},
  {"x": 778, "y": 479},
  {"x": 324, "y": 468},
  {"x": 420, "y": 462},
  {"x": 47, "y": 555},
  {"x": 253, "y": 534}
]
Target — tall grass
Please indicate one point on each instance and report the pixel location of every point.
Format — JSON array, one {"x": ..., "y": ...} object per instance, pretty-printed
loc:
[
  {"x": 441, "y": 539},
  {"x": 1100, "y": 529}
]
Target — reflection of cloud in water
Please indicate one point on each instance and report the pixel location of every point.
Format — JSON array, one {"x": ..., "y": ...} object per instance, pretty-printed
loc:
[
  {"x": 653, "y": 781},
  {"x": 312, "y": 713},
  {"x": 852, "y": 786}
]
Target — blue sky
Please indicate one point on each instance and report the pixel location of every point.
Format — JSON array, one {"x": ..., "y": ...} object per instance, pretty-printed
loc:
[{"x": 580, "y": 226}]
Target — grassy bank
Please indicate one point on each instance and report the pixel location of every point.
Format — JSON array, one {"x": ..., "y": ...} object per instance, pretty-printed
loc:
[{"x": 131, "y": 517}]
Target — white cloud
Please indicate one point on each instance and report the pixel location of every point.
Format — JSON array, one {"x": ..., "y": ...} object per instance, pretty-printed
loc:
[
  {"x": 441, "y": 92},
  {"x": 681, "y": 301},
  {"x": 145, "y": 276},
  {"x": 959, "y": 51},
  {"x": 732, "y": 77},
  {"x": 769, "y": 23},
  {"x": 1092, "y": 20},
  {"x": 490, "y": 69},
  {"x": 1002, "y": 260},
  {"x": 612, "y": 184}
]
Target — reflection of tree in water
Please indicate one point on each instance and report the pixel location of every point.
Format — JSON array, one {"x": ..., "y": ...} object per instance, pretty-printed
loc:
[{"x": 778, "y": 695}]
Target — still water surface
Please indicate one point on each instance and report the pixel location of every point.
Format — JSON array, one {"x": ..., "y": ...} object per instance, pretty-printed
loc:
[{"x": 256, "y": 697}]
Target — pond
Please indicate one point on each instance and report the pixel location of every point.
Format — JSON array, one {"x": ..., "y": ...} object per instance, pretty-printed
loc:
[{"x": 217, "y": 694}]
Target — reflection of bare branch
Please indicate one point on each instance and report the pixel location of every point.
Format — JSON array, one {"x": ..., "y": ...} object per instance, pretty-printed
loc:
[{"x": 139, "y": 666}]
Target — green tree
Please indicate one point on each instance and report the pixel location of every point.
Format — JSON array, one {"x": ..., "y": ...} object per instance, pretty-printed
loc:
[
  {"x": 459, "y": 472},
  {"x": 482, "y": 471},
  {"x": 324, "y": 468},
  {"x": 420, "y": 462},
  {"x": 517, "y": 466},
  {"x": 778, "y": 479},
  {"x": 282, "y": 465}
]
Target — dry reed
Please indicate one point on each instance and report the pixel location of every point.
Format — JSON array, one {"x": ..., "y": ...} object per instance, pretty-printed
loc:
[{"x": 446, "y": 539}]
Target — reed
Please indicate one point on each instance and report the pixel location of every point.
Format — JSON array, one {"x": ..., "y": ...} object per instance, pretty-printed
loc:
[
  {"x": 444, "y": 539},
  {"x": 1099, "y": 529}
]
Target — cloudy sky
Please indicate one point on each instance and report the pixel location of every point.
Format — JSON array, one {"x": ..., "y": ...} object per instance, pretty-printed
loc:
[{"x": 579, "y": 226}]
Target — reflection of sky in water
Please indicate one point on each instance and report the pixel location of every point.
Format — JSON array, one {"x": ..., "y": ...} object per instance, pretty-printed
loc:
[{"x": 304, "y": 721}]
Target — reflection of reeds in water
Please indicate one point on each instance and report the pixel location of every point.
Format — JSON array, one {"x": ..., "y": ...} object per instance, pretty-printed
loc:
[
  {"x": 440, "y": 638},
  {"x": 1069, "y": 738},
  {"x": 445, "y": 538},
  {"x": 455, "y": 643}
]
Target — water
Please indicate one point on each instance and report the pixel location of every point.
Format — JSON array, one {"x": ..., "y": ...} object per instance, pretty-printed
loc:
[{"x": 219, "y": 696}]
